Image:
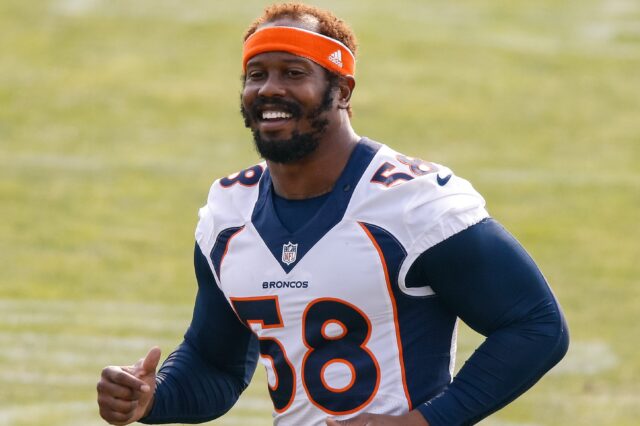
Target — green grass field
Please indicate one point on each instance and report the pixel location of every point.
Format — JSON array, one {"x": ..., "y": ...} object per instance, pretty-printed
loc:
[{"x": 116, "y": 115}]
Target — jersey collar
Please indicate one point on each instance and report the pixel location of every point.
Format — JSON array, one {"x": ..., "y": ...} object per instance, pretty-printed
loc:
[{"x": 289, "y": 248}]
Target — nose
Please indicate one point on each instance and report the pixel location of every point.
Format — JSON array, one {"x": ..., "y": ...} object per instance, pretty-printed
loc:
[{"x": 272, "y": 86}]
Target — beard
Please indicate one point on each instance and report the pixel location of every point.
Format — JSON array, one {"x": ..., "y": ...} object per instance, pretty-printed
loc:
[{"x": 300, "y": 144}]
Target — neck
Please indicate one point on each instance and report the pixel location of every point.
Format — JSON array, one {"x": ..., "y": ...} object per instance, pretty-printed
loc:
[{"x": 316, "y": 174}]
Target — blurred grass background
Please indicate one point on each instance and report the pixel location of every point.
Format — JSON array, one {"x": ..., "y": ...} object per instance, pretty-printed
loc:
[{"x": 115, "y": 117}]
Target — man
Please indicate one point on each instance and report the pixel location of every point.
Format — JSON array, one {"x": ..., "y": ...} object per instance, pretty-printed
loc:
[{"x": 345, "y": 265}]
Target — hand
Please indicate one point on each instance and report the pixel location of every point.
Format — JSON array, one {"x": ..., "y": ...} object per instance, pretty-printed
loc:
[
  {"x": 125, "y": 394},
  {"x": 413, "y": 418}
]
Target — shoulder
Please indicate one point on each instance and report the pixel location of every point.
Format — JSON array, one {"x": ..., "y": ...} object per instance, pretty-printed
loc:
[
  {"x": 419, "y": 202},
  {"x": 424, "y": 202},
  {"x": 229, "y": 203},
  {"x": 413, "y": 183}
]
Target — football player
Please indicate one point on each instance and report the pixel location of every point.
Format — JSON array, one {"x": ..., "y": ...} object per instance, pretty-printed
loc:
[{"x": 342, "y": 266}]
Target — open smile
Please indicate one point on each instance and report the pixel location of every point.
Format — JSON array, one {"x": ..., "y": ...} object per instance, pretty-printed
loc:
[{"x": 273, "y": 118}]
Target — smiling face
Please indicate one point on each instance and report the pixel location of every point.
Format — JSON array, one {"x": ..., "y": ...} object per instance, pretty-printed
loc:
[{"x": 288, "y": 101}]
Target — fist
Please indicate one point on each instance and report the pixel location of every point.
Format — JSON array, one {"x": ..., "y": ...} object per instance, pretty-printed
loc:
[{"x": 125, "y": 393}]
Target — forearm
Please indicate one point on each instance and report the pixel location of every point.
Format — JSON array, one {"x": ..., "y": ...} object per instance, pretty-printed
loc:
[
  {"x": 508, "y": 363},
  {"x": 189, "y": 390}
]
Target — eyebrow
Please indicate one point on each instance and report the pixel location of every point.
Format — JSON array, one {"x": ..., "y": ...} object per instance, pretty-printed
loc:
[{"x": 294, "y": 60}]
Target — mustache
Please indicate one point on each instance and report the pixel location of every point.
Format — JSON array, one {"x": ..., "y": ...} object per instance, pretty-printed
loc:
[{"x": 261, "y": 102}]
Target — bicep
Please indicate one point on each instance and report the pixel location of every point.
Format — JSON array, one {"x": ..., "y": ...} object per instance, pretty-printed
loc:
[{"x": 485, "y": 277}]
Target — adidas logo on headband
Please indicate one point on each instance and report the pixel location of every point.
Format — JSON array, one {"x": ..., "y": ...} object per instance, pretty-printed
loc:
[{"x": 336, "y": 58}]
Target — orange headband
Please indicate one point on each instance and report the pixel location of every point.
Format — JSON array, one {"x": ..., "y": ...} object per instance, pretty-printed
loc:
[{"x": 325, "y": 51}]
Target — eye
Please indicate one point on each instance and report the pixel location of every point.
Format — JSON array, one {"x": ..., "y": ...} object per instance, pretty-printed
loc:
[
  {"x": 295, "y": 73},
  {"x": 255, "y": 74}
]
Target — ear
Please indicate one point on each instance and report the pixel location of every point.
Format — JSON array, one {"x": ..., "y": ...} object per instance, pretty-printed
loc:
[{"x": 346, "y": 84}]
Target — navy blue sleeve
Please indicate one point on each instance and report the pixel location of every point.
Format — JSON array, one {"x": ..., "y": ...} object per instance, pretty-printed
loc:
[
  {"x": 205, "y": 375},
  {"x": 486, "y": 278}
]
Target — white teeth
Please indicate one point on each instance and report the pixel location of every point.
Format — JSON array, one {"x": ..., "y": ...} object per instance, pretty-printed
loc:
[{"x": 273, "y": 115}]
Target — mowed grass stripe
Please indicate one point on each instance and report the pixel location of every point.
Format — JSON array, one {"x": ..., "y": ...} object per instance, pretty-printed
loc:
[{"x": 76, "y": 413}]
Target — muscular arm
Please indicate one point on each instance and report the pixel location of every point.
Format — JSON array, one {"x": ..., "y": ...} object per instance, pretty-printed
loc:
[
  {"x": 205, "y": 375},
  {"x": 485, "y": 277}
]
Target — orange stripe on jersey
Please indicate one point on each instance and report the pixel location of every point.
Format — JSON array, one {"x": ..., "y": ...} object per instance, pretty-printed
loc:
[
  {"x": 395, "y": 312},
  {"x": 226, "y": 248}
]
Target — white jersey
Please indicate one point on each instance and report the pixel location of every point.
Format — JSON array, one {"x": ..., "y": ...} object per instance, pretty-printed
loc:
[{"x": 340, "y": 331}]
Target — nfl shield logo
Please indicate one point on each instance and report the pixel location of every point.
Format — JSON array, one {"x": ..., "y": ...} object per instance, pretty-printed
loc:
[{"x": 289, "y": 253}]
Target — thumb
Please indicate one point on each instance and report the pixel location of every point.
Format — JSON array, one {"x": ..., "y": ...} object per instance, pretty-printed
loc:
[
  {"x": 333, "y": 422},
  {"x": 150, "y": 362}
]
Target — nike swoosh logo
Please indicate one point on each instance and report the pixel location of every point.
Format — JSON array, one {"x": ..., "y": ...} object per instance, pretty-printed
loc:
[{"x": 443, "y": 181}]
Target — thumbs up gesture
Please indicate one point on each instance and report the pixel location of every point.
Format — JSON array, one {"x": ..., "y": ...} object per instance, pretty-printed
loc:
[{"x": 125, "y": 393}]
